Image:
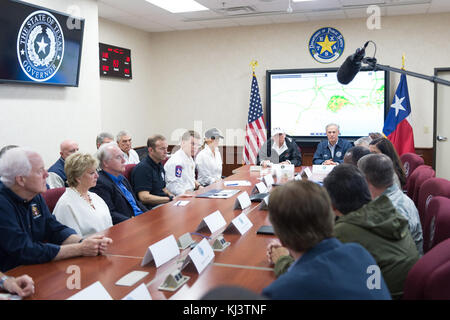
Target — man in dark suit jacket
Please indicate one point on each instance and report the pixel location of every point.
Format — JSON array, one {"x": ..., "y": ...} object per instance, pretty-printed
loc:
[{"x": 113, "y": 187}]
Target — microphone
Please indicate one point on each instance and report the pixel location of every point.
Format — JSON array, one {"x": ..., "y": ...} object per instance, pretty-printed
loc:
[{"x": 351, "y": 65}]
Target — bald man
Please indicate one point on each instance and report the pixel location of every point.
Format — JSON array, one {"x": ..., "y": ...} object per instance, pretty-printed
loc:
[{"x": 56, "y": 175}]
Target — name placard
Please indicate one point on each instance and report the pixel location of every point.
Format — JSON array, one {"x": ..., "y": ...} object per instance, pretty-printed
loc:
[
  {"x": 161, "y": 251},
  {"x": 242, "y": 201},
  {"x": 214, "y": 222},
  {"x": 241, "y": 223},
  {"x": 260, "y": 187},
  {"x": 268, "y": 180},
  {"x": 201, "y": 256}
]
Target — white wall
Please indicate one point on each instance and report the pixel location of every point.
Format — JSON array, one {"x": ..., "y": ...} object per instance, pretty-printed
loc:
[
  {"x": 205, "y": 74},
  {"x": 126, "y": 104},
  {"x": 40, "y": 116}
]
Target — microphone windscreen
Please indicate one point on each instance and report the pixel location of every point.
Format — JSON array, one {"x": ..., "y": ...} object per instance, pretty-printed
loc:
[{"x": 348, "y": 70}]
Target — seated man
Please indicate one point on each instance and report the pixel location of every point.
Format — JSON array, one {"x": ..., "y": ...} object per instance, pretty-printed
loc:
[
  {"x": 376, "y": 225},
  {"x": 279, "y": 149},
  {"x": 56, "y": 175},
  {"x": 103, "y": 137},
  {"x": 29, "y": 233},
  {"x": 354, "y": 154},
  {"x": 180, "y": 168},
  {"x": 124, "y": 142},
  {"x": 148, "y": 177},
  {"x": 324, "y": 268},
  {"x": 332, "y": 150},
  {"x": 113, "y": 187},
  {"x": 379, "y": 172}
]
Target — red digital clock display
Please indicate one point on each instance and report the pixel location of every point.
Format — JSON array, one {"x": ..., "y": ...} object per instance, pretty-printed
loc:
[{"x": 115, "y": 61}]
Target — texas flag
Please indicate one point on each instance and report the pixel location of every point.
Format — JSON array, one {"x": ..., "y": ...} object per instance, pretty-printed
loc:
[{"x": 397, "y": 127}]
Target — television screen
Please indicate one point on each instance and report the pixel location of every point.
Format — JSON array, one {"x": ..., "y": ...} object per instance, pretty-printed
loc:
[
  {"x": 39, "y": 45},
  {"x": 304, "y": 101}
]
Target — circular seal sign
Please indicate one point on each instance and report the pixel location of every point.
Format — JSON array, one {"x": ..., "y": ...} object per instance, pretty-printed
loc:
[
  {"x": 326, "y": 45},
  {"x": 40, "y": 46}
]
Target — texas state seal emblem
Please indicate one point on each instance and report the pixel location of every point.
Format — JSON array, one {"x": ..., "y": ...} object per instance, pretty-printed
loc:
[
  {"x": 40, "y": 46},
  {"x": 326, "y": 45}
]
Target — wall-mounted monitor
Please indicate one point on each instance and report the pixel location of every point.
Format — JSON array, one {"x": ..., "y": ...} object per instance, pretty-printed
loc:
[
  {"x": 39, "y": 45},
  {"x": 304, "y": 101}
]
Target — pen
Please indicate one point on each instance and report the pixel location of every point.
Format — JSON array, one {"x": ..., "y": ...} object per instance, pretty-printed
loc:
[{"x": 233, "y": 184}]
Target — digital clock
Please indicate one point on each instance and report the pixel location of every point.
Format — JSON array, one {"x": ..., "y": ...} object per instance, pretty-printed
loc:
[{"x": 115, "y": 61}]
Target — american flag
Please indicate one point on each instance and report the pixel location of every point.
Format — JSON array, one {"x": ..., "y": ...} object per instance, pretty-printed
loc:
[{"x": 255, "y": 130}]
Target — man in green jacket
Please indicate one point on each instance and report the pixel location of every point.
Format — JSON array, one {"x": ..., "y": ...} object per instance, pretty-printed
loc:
[{"x": 375, "y": 225}]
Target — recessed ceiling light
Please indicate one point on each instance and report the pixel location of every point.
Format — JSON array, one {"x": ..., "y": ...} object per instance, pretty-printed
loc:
[{"x": 177, "y": 6}]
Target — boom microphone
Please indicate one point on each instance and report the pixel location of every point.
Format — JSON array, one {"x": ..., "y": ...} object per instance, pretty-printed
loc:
[{"x": 351, "y": 65}]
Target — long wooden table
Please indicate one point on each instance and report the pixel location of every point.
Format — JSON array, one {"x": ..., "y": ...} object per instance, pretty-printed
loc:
[{"x": 243, "y": 263}]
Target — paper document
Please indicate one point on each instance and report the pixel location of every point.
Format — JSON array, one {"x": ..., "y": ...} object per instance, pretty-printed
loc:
[{"x": 95, "y": 291}]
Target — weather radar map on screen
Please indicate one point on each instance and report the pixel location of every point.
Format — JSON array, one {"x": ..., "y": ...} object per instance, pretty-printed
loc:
[{"x": 303, "y": 103}]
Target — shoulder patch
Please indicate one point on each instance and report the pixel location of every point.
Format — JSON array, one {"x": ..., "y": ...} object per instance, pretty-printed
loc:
[{"x": 178, "y": 171}]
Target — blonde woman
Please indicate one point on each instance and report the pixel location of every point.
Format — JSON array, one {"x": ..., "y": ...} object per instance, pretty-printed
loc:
[
  {"x": 209, "y": 160},
  {"x": 79, "y": 209}
]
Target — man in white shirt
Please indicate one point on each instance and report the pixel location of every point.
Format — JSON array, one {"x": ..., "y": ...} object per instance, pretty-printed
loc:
[
  {"x": 279, "y": 149},
  {"x": 180, "y": 168},
  {"x": 124, "y": 143},
  {"x": 209, "y": 160}
]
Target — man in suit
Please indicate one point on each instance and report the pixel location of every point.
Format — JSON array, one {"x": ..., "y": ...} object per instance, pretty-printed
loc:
[
  {"x": 113, "y": 187},
  {"x": 279, "y": 149},
  {"x": 332, "y": 150}
]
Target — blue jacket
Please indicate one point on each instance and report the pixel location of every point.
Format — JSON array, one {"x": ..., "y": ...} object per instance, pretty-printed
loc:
[
  {"x": 118, "y": 205},
  {"x": 323, "y": 153},
  {"x": 331, "y": 270},
  {"x": 29, "y": 233},
  {"x": 58, "y": 168}
]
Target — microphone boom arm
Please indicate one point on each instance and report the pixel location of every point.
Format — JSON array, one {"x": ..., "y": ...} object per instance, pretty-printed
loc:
[{"x": 372, "y": 62}]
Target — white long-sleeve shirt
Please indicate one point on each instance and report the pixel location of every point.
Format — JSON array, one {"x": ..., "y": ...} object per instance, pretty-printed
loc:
[
  {"x": 209, "y": 166},
  {"x": 180, "y": 173},
  {"x": 132, "y": 158},
  {"x": 75, "y": 212}
]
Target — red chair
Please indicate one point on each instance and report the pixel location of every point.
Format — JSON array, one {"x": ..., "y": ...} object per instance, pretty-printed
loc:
[
  {"x": 51, "y": 197},
  {"x": 430, "y": 188},
  {"x": 437, "y": 222},
  {"x": 410, "y": 162},
  {"x": 417, "y": 178},
  {"x": 429, "y": 278},
  {"x": 128, "y": 169}
]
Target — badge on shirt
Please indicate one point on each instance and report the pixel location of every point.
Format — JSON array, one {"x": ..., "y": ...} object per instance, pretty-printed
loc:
[
  {"x": 35, "y": 211},
  {"x": 325, "y": 156},
  {"x": 338, "y": 154},
  {"x": 178, "y": 171}
]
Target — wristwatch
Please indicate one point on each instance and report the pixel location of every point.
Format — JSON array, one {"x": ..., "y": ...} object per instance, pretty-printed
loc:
[
  {"x": 170, "y": 197},
  {"x": 2, "y": 281}
]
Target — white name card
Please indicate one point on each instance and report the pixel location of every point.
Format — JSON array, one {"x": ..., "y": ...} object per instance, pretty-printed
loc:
[
  {"x": 264, "y": 205},
  {"x": 322, "y": 169},
  {"x": 161, "y": 251},
  {"x": 95, "y": 291},
  {"x": 214, "y": 222},
  {"x": 201, "y": 256},
  {"x": 308, "y": 172},
  {"x": 140, "y": 293},
  {"x": 241, "y": 223},
  {"x": 268, "y": 180},
  {"x": 260, "y": 187},
  {"x": 242, "y": 201}
]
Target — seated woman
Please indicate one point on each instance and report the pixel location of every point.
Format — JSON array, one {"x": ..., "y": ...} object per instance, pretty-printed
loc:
[
  {"x": 383, "y": 145},
  {"x": 279, "y": 149},
  {"x": 209, "y": 161},
  {"x": 79, "y": 209}
]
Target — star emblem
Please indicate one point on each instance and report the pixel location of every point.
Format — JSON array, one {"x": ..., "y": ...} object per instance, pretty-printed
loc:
[
  {"x": 42, "y": 45},
  {"x": 326, "y": 45},
  {"x": 397, "y": 105},
  {"x": 22, "y": 52}
]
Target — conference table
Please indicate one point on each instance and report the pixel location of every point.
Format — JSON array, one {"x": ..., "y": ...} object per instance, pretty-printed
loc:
[{"x": 243, "y": 263}]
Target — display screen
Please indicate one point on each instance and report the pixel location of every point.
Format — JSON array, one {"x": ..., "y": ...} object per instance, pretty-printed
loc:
[
  {"x": 304, "y": 101},
  {"x": 39, "y": 45},
  {"x": 115, "y": 61}
]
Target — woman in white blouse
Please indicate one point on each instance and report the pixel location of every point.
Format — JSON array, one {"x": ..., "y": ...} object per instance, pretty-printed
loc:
[
  {"x": 79, "y": 209},
  {"x": 209, "y": 161}
]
